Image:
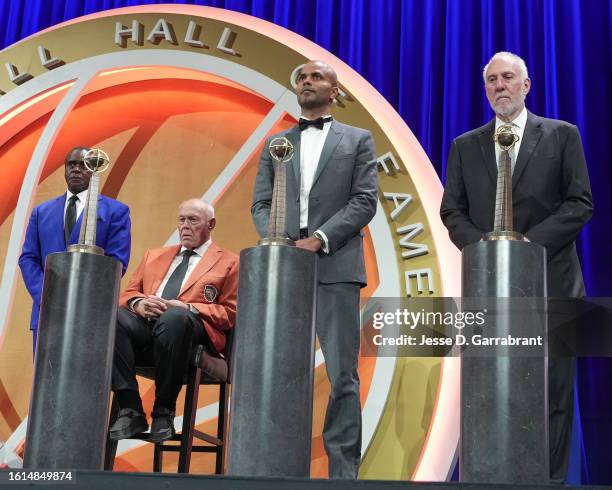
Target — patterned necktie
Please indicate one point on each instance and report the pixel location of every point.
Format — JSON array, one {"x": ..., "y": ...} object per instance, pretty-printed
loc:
[
  {"x": 70, "y": 217},
  {"x": 173, "y": 286}
]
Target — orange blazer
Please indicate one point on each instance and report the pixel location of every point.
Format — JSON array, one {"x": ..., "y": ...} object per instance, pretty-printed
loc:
[{"x": 212, "y": 287}]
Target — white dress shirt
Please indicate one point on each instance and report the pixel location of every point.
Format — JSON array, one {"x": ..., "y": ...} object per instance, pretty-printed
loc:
[
  {"x": 80, "y": 204},
  {"x": 194, "y": 260},
  {"x": 311, "y": 146},
  {"x": 519, "y": 128}
]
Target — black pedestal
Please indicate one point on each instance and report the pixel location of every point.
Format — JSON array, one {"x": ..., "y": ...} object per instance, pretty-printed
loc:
[
  {"x": 273, "y": 363},
  {"x": 69, "y": 407},
  {"x": 504, "y": 398}
]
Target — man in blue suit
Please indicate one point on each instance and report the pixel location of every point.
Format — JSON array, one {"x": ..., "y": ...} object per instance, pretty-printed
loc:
[{"x": 55, "y": 224}]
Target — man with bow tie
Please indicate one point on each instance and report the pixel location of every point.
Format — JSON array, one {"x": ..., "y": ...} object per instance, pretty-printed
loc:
[
  {"x": 55, "y": 224},
  {"x": 179, "y": 296},
  {"x": 551, "y": 203},
  {"x": 332, "y": 193}
]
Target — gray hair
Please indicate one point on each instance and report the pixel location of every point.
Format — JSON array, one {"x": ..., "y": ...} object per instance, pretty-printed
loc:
[
  {"x": 514, "y": 58},
  {"x": 203, "y": 205},
  {"x": 209, "y": 208}
]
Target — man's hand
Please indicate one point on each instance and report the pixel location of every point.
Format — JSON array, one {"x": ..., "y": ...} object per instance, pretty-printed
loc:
[
  {"x": 311, "y": 243},
  {"x": 153, "y": 306},
  {"x": 150, "y": 308},
  {"x": 174, "y": 302}
]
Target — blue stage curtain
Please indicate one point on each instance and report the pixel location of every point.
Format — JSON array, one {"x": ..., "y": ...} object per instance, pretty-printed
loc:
[{"x": 426, "y": 58}]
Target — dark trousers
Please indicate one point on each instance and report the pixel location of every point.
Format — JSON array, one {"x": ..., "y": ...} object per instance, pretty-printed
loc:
[
  {"x": 560, "y": 414},
  {"x": 164, "y": 343},
  {"x": 339, "y": 334}
]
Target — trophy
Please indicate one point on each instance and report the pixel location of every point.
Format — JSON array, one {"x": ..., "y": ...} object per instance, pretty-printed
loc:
[
  {"x": 96, "y": 161},
  {"x": 502, "y": 225},
  {"x": 502, "y": 266},
  {"x": 281, "y": 150},
  {"x": 275, "y": 326}
]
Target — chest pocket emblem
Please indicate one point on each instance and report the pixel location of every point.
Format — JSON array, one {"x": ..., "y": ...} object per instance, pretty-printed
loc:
[{"x": 210, "y": 293}]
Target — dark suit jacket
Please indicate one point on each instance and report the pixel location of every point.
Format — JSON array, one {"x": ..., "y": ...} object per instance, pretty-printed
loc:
[
  {"x": 342, "y": 199},
  {"x": 551, "y": 194},
  {"x": 217, "y": 270},
  {"x": 45, "y": 235}
]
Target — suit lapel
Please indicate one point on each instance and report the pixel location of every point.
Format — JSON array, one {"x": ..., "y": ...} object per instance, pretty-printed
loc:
[
  {"x": 333, "y": 138},
  {"x": 159, "y": 266},
  {"x": 57, "y": 217},
  {"x": 206, "y": 263},
  {"x": 74, "y": 236},
  {"x": 531, "y": 137},
  {"x": 487, "y": 147},
  {"x": 293, "y": 135}
]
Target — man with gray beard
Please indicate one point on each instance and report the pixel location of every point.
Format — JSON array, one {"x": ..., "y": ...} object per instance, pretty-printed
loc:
[{"x": 551, "y": 203}]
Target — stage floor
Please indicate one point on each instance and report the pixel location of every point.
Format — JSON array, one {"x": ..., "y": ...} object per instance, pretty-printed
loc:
[{"x": 98, "y": 480}]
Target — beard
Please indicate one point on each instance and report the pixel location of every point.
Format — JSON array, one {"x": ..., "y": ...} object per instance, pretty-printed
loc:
[
  {"x": 312, "y": 103},
  {"x": 506, "y": 109},
  {"x": 312, "y": 100}
]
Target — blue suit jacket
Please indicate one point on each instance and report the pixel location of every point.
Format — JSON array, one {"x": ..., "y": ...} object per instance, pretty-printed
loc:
[{"x": 45, "y": 235}]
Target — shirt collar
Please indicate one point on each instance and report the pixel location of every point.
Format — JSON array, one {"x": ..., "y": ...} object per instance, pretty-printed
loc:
[
  {"x": 201, "y": 250},
  {"x": 81, "y": 195},
  {"x": 325, "y": 124},
  {"x": 309, "y": 119},
  {"x": 520, "y": 121}
]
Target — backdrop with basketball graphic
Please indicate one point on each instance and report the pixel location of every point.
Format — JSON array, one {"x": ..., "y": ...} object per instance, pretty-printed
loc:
[{"x": 182, "y": 99}]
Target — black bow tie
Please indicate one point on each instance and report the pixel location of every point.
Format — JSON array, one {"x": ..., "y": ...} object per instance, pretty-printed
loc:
[{"x": 315, "y": 123}]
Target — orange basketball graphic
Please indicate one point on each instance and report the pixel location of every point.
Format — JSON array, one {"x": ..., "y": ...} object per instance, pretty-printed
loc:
[{"x": 182, "y": 115}]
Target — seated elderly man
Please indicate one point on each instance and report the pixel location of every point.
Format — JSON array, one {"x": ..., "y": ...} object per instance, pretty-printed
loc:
[{"x": 179, "y": 296}]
